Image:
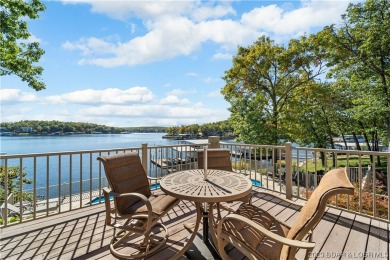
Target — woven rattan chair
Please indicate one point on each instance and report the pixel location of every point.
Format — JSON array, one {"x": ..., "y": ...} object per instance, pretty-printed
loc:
[
  {"x": 136, "y": 210},
  {"x": 258, "y": 235}
]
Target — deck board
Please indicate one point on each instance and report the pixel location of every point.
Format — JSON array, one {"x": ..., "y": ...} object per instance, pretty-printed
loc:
[
  {"x": 378, "y": 240},
  {"x": 81, "y": 233},
  {"x": 357, "y": 239},
  {"x": 340, "y": 233},
  {"x": 323, "y": 229}
]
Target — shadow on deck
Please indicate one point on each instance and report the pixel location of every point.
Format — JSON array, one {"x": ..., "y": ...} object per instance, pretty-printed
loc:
[{"x": 81, "y": 234}]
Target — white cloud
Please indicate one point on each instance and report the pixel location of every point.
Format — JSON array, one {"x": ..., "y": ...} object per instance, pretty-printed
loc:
[
  {"x": 222, "y": 31},
  {"x": 180, "y": 28},
  {"x": 222, "y": 56},
  {"x": 215, "y": 93},
  {"x": 34, "y": 38},
  {"x": 180, "y": 92},
  {"x": 155, "y": 111},
  {"x": 208, "y": 12},
  {"x": 152, "y": 10},
  {"x": 133, "y": 27},
  {"x": 110, "y": 106},
  {"x": 172, "y": 31},
  {"x": 9, "y": 96},
  {"x": 275, "y": 20},
  {"x": 174, "y": 100},
  {"x": 169, "y": 38},
  {"x": 91, "y": 46},
  {"x": 210, "y": 80},
  {"x": 107, "y": 96},
  {"x": 191, "y": 74}
]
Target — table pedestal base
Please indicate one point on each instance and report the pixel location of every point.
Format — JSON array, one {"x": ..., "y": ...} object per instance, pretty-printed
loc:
[{"x": 201, "y": 250}]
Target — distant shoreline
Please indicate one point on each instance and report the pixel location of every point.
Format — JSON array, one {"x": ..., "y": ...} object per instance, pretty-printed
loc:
[{"x": 71, "y": 134}]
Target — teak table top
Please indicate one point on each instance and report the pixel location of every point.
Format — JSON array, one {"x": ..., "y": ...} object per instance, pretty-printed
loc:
[{"x": 220, "y": 185}]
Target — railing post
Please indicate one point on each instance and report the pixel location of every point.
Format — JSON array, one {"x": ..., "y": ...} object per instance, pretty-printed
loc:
[
  {"x": 144, "y": 157},
  {"x": 214, "y": 142},
  {"x": 388, "y": 186},
  {"x": 64, "y": 189},
  {"x": 289, "y": 169}
]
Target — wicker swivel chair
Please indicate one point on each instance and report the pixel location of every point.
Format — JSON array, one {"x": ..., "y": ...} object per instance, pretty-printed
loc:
[
  {"x": 136, "y": 210},
  {"x": 258, "y": 235}
]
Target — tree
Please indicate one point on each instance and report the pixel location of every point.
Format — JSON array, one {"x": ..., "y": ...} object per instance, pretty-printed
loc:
[
  {"x": 17, "y": 55},
  {"x": 358, "y": 50},
  {"x": 318, "y": 115},
  {"x": 13, "y": 183},
  {"x": 264, "y": 77}
]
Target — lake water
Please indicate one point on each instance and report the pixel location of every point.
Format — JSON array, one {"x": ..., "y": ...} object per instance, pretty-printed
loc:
[
  {"x": 69, "y": 169},
  {"x": 46, "y": 144}
]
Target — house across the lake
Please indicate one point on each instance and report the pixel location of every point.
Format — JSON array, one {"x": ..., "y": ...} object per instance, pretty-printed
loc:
[{"x": 26, "y": 129}]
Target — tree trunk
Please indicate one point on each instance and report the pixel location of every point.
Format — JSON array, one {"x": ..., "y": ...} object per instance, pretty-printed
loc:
[
  {"x": 345, "y": 141},
  {"x": 334, "y": 155},
  {"x": 322, "y": 155},
  {"x": 368, "y": 145},
  {"x": 356, "y": 142},
  {"x": 387, "y": 122}
]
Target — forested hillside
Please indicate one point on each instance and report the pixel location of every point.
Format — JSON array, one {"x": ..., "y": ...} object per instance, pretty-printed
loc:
[{"x": 57, "y": 127}]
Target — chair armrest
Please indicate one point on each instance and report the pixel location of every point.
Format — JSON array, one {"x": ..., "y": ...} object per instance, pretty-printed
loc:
[
  {"x": 221, "y": 206},
  {"x": 107, "y": 193},
  {"x": 264, "y": 231}
]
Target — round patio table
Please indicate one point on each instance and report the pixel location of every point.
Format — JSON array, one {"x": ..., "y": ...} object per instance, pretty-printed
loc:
[{"x": 220, "y": 186}]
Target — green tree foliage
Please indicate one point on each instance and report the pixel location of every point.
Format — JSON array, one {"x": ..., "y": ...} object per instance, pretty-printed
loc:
[
  {"x": 359, "y": 51},
  {"x": 49, "y": 127},
  {"x": 264, "y": 77},
  {"x": 17, "y": 55},
  {"x": 309, "y": 116},
  {"x": 221, "y": 128},
  {"x": 13, "y": 181}
]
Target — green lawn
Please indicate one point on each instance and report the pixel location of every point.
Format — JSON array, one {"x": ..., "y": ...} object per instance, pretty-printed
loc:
[{"x": 342, "y": 161}]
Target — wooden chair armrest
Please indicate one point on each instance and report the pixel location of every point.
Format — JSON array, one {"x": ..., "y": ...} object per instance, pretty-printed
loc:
[
  {"x": 266, "y": 232},
  {"x": 221, "y": 206},
  {"x": 107, "y": 193}
]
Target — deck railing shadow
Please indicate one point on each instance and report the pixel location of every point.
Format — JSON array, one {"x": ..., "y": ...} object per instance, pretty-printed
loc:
[{"x": 84, "y": 236}]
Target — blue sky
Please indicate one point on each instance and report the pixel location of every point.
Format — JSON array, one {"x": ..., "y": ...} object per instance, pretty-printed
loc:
[{"x": 148, "y": 63}]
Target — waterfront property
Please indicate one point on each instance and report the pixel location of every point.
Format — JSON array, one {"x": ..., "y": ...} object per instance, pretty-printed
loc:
[{"x": 353, "y": 226}]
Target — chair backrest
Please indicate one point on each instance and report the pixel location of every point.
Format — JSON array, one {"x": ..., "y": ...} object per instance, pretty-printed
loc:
[
  {"x": 217, "y": 158},
  {"x": 333, "y": 182},
  {"x": 125, "y": 174}
]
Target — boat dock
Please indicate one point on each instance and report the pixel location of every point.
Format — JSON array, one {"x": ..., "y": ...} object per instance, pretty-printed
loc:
[{"x": 172, "y": 163}]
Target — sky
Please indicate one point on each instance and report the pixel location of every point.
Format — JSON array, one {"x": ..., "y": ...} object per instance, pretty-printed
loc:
[{"x": 149, "y": 63}]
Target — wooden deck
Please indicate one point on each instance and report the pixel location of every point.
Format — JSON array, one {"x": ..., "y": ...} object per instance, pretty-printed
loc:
[{"x": 81, "y": 234}]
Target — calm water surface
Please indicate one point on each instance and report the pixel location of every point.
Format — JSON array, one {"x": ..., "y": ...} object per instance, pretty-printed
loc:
[
  {"x": 55, "y": 173},
  {"x": 46, "y": 144}
]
